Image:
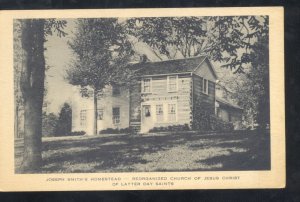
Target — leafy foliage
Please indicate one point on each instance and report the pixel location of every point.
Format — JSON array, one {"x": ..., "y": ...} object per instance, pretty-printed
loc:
[
  {"x": 101, "y": 51},
  {"x": 49, "y": 124},
  {"x": 77, "y": 133},
  {"x": 252, "y": 90},
  {"x": 173, "y": 128},
  {"x": 239, "y": 43},
  {"x": 227, "y": 39},
  {"x": 128, "y": 130},
  {"x": 168, "y": 36},
  {"x": 64, "y": 124}
]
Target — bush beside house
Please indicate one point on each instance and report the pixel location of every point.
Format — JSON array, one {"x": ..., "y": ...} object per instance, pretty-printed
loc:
[
  {"x": 207, "y": 122},
  {"x": 204, "y": 118},
  {"x": 128, "y": 130},
  {"x": 49, "y": 124},
  {"x": 172, "y": 128},
  {"x": 53, "y": 125}
]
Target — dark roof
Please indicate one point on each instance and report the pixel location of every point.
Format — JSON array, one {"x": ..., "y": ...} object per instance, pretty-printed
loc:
[
  {"x": 228, "y": 103},
  {"x": 168, "y": 66}
]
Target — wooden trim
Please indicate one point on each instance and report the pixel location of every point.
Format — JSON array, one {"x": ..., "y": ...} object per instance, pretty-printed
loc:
[
  {"x": 153, "y": 75},
  {"x": 206, "y": 90},
  {"x": 142, "y": 90},
  {"x": 199, "y": 64},
  {"x": 213, "y": 69},
  {"x": 168, "y": 80}
]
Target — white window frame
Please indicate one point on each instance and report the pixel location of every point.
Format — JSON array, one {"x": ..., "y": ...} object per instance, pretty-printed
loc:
[
  {"x": 83, "y": 117},
  {"x": 150, "y": 84},
  {"x": 114, "y": 117},
  {"x": 168, "y": 83},
  {"x": 205, "y": 91},
  {"x": 159, "y": 115},
  {"x": 176, "y": 112}
]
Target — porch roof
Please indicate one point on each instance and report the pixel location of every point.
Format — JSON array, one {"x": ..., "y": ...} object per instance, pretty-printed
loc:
[{"x": 227, "y": 103}]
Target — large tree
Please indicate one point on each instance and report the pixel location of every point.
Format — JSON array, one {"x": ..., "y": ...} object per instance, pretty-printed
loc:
[
  {"x": 239, "y": 43},
  {"x": 33, "y": 37},
  {"x": 101, "y": 51},
  {"x": 170, "y": 37},
  {"x": 17, "y": 74}
]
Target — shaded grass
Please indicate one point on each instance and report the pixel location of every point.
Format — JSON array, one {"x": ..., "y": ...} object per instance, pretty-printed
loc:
[{"x": 193, "y": 151}]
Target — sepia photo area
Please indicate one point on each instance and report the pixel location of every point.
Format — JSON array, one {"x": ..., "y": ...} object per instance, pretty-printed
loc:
[{"x": 141, "y": 94}]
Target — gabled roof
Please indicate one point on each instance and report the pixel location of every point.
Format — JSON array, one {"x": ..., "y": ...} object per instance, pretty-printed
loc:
[{"x": 187, "y": 65}]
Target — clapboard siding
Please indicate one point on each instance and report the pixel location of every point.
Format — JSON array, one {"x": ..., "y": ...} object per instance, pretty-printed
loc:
[
  {"x": 159, "y": 85},
  {"x": 207, "y": 101},
  {"x": 160, "y": 96}
]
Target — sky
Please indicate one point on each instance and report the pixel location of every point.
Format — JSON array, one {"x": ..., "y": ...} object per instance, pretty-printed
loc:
[{"x": 58, "y": 55}]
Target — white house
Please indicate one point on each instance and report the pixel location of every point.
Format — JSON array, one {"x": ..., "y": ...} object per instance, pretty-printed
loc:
[{"x": 164, "y": 94}]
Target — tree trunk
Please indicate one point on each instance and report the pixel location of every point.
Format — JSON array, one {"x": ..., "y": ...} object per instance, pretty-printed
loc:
[
  {"x": 32, "y": 86},
  {"x": 32, "y": 158},
  {"x": 95, "y": 112}
]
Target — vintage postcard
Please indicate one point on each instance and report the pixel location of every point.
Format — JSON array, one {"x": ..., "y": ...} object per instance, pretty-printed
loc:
[{"x": 142, "y": 99}]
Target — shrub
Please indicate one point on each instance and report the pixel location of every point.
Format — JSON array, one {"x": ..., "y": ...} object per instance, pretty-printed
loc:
[
  {"x": 76, "y": 133},
  {"x": 186, "y": 127},
  {"x": 109, "y": 131},
  {"x": 64, "y": 122},
  {"x": 155, "y": 129},
  {"x": 174, "y": 128},
  {"x": 128, "y": 130},
  {"x": 49, "y": 124}
]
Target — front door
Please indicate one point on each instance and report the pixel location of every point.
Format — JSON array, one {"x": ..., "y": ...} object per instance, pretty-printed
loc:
[{"x": 147, "y": 118}]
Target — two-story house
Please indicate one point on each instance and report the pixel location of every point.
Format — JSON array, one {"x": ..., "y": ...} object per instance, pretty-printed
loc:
[{"x": 165, "y": 93}]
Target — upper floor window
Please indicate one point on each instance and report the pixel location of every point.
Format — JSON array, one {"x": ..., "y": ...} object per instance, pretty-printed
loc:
[
  {"x": 146, "y": 87},
  {"x": 116, "y": 115},
  {"x": 116, "y": 91},
  {"x": 205, "y": 86},
  {"x": 172, "y": 83},
  {"x": 83, "y": 118}
]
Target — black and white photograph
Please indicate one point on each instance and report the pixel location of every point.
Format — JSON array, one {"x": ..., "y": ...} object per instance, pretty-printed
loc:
[{"x": 141, "y": 94}]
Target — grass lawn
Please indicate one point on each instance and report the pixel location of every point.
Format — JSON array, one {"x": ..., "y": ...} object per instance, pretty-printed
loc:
[{"x": 238, "y": 150}]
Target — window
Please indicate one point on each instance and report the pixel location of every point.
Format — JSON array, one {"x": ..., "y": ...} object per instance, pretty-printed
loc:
[
  {"x": 172, "y": 85},
  {"x": 147, "y": 112},
  {"x": 159, "y": 113},
  {"x": 116, "y": 91},
  {"x": 100, "y": 114},
  {"x": 116, "y": 115},
  {"x": 83, "y": 118},
  {"x": 147, "y": 85},
  {"x": 172, "y": 112},
  {"x": 205, "y": 86}
]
